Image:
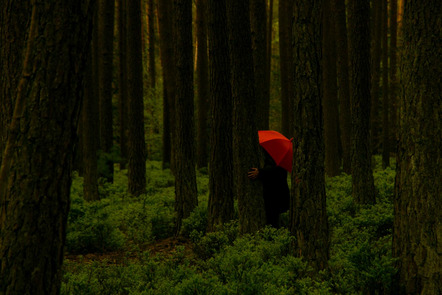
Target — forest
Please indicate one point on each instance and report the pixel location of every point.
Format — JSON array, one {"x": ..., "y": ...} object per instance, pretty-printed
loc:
[{"x": 133, "y": 157}]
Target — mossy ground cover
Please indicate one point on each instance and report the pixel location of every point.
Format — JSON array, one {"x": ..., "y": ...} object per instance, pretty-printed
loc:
[{"x": 125, "y": 245}]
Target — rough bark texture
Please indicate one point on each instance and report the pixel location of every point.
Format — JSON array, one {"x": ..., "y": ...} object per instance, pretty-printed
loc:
[
  {"x": 393, "y": 72},
  {"x": 258, "y": 30},
  {"x": 417, "y": 234},
  {"x": 340, "y": 21},
  {"x": 35, "y": 175},
  {"x": 221, "y": 105},
  {"x": 13, "y": 32},
  {"x": 151, "y": 28},
  {"x": 105, "y": 28},
  {"x": 376, "y": 42},
  {"x": 285, "y": 53},
  {"x": 385, "y": 89},
  {"x": 246, "y": 150},
  {"x": 136, "y": 138},
  {"x": 359, "y": 30},
  {"x": 203, "y": 84},
  {"x": 269, "y": 39},
  {"x": 89, "y": 133},
  {"x": 308, "y": 216},
  {"x": 186, "y": 195},
  {"x": 122, "y": 81},
  {"x": 330, "y": 97},
  {"x": 167, "y": 63}
]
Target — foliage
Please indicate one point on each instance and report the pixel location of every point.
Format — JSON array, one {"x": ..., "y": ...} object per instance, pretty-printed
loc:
[{"x": 220, "y": 262}]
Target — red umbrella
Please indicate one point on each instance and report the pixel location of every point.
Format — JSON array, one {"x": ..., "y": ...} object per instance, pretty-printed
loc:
[{"x": 279, "y": 147}]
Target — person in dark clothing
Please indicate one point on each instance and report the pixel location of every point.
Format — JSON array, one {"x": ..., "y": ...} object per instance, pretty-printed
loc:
[{"x": 275, "y": 189}]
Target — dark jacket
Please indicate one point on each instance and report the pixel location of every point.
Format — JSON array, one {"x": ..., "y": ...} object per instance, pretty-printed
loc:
[{"x": 275, "y": 189}]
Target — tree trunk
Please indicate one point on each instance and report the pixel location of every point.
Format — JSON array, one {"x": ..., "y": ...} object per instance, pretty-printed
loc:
[
  {"x": 376, "y": 53},
  {"x": 203, "y": 84},
  {"x": 186, "y": 198},
  {"x": 258, "y": 31},
  {"x": 10, "y": 64},
  {"x": 308, "y": 216},
  {"x": 330, "y": 99},
  {"x": 220, "y": 209},
  {"x": 338, "y": 9},
  {"x": 105, "y": 28},
  {"x": 285, "y": 53},
  {"x": 385, "y": 88},
  {"x": 268, "y": 70},
  {"x": 417, "y": 233},
  {"x": 246, "y": 150},
  {"x": 136, "y": 141},
  {"x": 359, "y": 30},
  {"x": 35, "y": 174},
  {"x": 167, "y": 63},
  {"x": 122, "y": 82},
  {"x": 90, "y": 114},
  {"x": 393, "y": 71},
  {"x": 151, "y": 28}
]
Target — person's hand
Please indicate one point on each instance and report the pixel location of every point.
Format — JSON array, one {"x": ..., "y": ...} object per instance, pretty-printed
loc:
[{"x": 253, "y": 173}]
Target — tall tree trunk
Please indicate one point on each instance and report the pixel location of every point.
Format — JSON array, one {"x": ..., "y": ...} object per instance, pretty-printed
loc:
[
  {"x": 308, "y": 216},
  {"x": 417, "y": 233},
  {"x": 136, "y": 139},
  {"x": 90, "y": 114},
  {"x": 285, "y": 53},
  {"x": 35, "y": 174},
  {"x": 393, "y": 71},
  {"x": 246, "y": 152},
  {"x": 203, "y": 83},
  {"x": 269, "y": 39},
  {"x": 338, "y": 9},
  {"x": 167, "y": 63},
  {"x": 385, "y": 88},
  {"x": 106, "y": 10},
  {"x": 186, "y": 198},
  {"x": 359, "y": 31},
  {"x": 376, "y": 53},
  {"x": 151, "y": 28},
  {"x": 330, "y": 90},
  {"x": 220, "y": 208},
  {"x": 258, "y": 30},
  {"x": 122, "y": 82}
]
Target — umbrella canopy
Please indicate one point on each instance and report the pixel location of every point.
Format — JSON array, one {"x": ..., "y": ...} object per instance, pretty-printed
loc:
[{"x": 279, "y": 147}]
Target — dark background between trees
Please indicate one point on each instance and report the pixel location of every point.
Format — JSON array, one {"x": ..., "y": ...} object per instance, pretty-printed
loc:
[{"x": 81, "y": 83}]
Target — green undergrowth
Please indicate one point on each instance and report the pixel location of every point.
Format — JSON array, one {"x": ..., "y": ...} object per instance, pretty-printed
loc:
[{"x": 222, "y": 262}]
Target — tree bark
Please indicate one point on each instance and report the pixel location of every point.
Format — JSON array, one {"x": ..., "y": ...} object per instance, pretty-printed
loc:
[
  {"x": 151, "y": 28},
  {"x": 105, "y": 28},
  {"x": 167, "y": 63},
  {"x": 90, "y": 114},
  {"x": 220, "y": 208},
  {"x": 330, "y": 90},
  {"x": 246, "y": 151},
  {"x": 285, "y": 53},
  {"x": 186, "y": 198},
  {"x": 203, "y": 84},
  {"x": 359, "y": 30},
  {"x": 122, "y": 82},
  {"x": 136, "y": 137},
  {"x": 338, "y": 9},
  {"x": 393, "y": 72},
  {"x": 385, "y": 89},
  {"x": 308, "y": 216},
  {"x": 35, "y": 174},
  {"x": 376, "y": 53},
  {"x": 259, "y": 46},
  {"x": 417, "y": 233}
]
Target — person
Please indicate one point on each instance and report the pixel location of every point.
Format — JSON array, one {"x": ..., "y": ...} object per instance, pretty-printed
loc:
[{"x": 275, "y": 188}]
